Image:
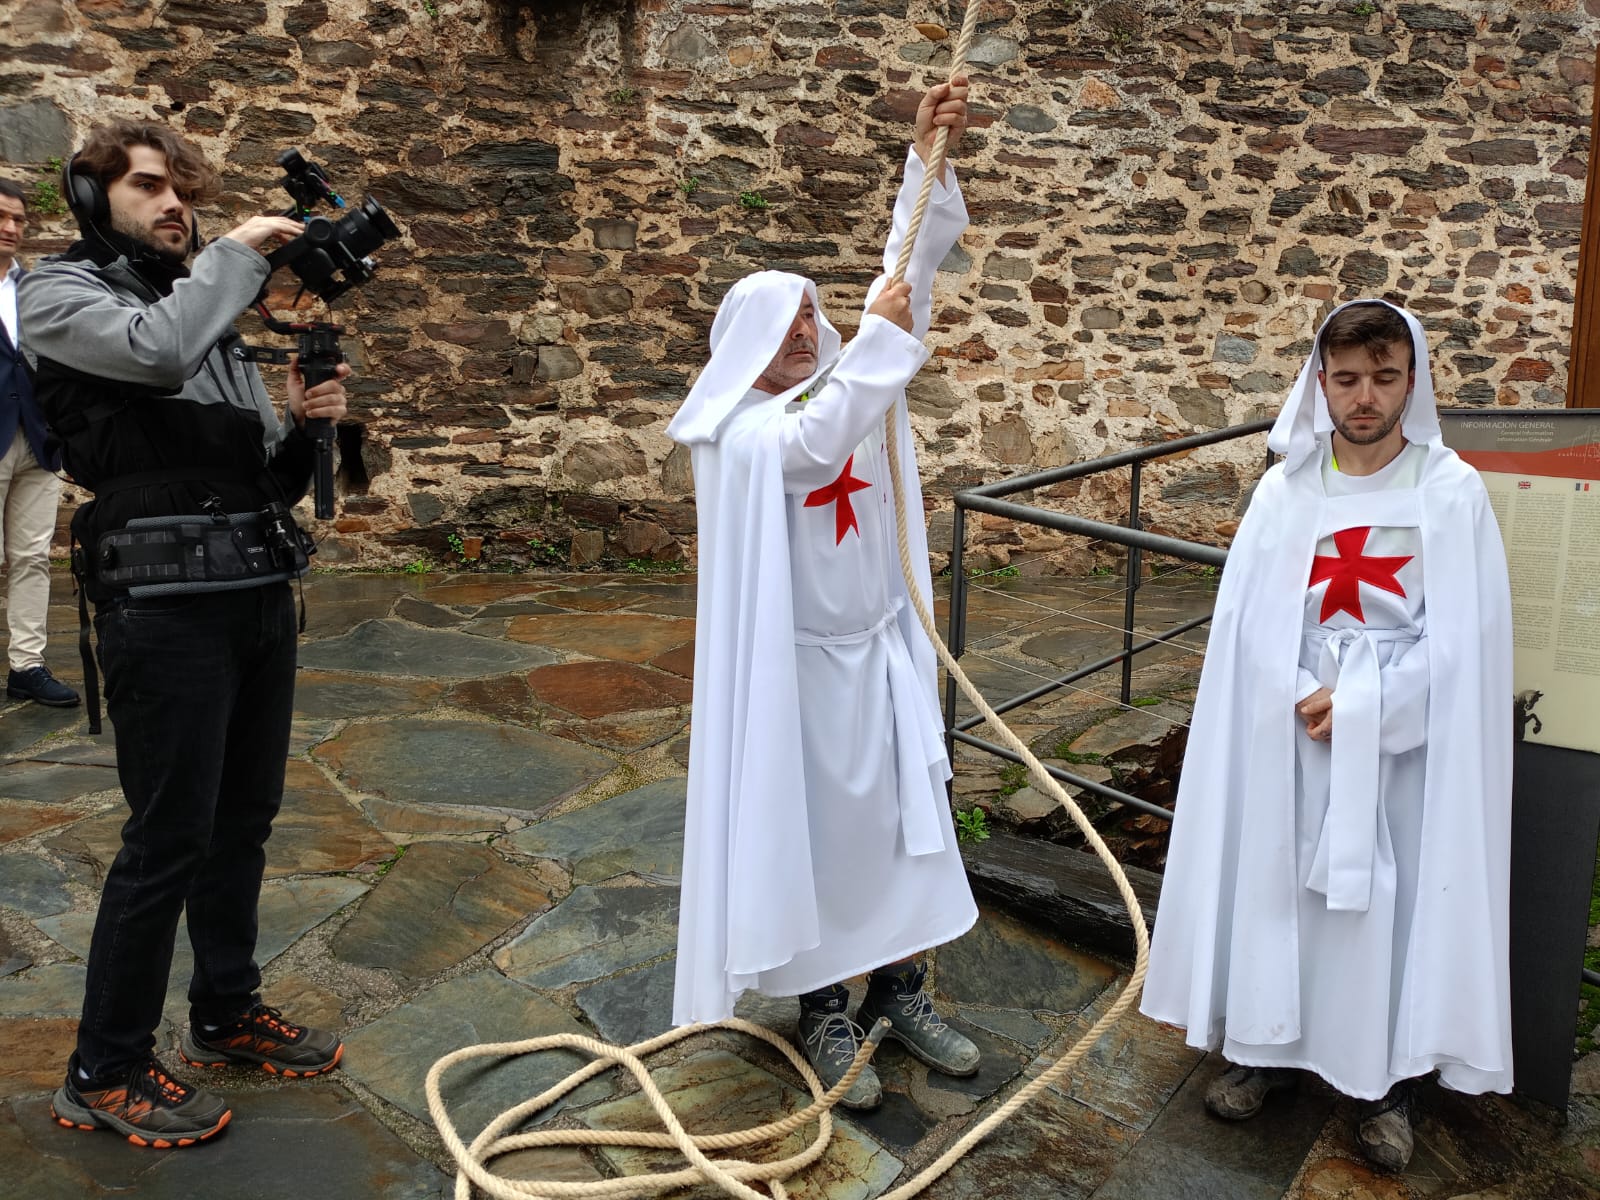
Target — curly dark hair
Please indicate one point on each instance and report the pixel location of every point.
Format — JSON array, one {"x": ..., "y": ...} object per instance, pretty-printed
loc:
[{"x": 105, "y": 157}]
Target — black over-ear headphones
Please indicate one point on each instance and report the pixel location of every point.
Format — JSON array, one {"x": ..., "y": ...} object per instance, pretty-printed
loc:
[
  {"x": 92, "y": 207},
  {"x": 84, "y": 196}
]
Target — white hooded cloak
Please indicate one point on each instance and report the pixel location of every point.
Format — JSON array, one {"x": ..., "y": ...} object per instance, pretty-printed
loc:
[
  {"x": 1342, "y": 906},
  {"x": 818, "y": 842}
]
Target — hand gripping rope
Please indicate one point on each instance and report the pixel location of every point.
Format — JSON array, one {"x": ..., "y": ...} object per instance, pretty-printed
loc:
[{"x": 735, "y": 1175}]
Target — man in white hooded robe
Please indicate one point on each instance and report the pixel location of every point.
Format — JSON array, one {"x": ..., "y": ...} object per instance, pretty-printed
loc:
[
  {"x": 818, "y": 841},
  {"x": 1336, "y": 892}
]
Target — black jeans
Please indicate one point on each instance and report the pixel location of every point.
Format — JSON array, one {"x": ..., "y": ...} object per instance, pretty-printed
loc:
[{"x": 200, "y": 689}]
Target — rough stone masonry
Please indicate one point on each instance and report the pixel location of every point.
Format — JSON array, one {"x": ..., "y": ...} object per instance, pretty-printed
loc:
[{"x": 1165, "y": 195}]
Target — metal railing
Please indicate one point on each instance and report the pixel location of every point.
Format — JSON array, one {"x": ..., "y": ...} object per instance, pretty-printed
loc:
[{"x": 990, "y": 498}]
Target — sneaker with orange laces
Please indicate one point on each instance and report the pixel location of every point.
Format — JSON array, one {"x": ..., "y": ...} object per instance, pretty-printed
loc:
[
  {"x": 144, "y": 1103},
  {"x": 262, "y": 1038}
]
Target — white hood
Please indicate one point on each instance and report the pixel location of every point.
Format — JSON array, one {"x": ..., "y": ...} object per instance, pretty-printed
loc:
[
  {"x": 1304, "y": 421},
  {"x": 750, "y": 327}
]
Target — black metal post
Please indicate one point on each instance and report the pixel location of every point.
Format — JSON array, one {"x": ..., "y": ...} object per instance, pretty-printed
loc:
[
  {"x": 1130, "y": 597},
  {"x": 957, "y": 638}
]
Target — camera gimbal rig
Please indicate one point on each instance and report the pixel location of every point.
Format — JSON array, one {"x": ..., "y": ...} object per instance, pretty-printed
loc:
[{"x": 319, "y": 256}]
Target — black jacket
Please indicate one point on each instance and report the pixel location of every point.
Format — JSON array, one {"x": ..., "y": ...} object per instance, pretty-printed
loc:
[{"x": 18, "y": 408}]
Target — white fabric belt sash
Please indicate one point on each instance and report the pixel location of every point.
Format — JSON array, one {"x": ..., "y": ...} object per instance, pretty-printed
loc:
[
  {"x": 1341, "y": 868},
  {"x": 919, "y": 818}
]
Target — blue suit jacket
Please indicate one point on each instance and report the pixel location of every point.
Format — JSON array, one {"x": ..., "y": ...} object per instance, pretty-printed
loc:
[{"x": 17, "y": 405}]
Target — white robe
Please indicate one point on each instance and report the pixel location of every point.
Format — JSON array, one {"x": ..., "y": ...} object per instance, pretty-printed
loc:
[
  {"x": 818, "y": 839},
  {"x": 1344, "y": 908}
]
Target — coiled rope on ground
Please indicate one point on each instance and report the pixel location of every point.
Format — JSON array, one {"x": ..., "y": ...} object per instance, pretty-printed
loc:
[{"x": 735, "y": 1175}]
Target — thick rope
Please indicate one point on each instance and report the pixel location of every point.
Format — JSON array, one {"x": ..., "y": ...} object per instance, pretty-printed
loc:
[{"x": 735, "y": 1175}]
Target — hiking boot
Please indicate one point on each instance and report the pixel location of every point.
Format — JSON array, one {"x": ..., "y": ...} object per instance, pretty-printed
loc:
[
  {"x": 1384, "y": 1130},
  {"x": 898, "y": 996},
  {"x": 262, "y": 1038},
  {"x": 829, "y": 1040},
  {"x": 36, "y": 683},
  {"x": 1239, "y": 1092},
  {"x": 144, "y": 1104}
]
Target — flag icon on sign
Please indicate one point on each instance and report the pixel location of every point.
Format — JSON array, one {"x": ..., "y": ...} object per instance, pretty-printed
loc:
[
  {"x": 1580, "y": 487},
  {"x": 1524, "y": 484}
]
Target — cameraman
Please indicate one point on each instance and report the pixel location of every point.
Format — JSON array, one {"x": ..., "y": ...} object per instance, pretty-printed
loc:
[{"x": 187, "y": 460}]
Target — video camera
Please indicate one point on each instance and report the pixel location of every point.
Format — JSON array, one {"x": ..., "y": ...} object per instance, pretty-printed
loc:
[
  {"x": 329, "y": 259},
  {"x": 328, "y": 247}
]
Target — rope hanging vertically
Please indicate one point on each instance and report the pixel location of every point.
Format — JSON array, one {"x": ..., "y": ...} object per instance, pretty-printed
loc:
[{"x": 735, "y": 1175}]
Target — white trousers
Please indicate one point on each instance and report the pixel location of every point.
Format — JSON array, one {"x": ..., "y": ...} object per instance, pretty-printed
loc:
[{"x": 29, "y": 496}]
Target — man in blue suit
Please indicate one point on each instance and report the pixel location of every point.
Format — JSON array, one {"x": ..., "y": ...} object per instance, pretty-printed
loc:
[{"x": 29, "y": 487}]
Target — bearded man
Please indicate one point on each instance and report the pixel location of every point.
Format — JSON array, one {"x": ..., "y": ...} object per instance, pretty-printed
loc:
[
  {"x": 186, "y": 554},
  {"x": 819, "y": 842}
]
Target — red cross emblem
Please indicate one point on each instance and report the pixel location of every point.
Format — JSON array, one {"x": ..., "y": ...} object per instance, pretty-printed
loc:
[
  {"x": 837, "y": 493},
  {"x": 1347, "y": 571}
]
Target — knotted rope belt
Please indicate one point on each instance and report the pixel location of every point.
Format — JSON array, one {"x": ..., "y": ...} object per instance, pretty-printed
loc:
[{"x": 735, "y": 1175}]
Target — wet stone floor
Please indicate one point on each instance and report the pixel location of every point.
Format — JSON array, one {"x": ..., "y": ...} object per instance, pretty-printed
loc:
[{"x": 480, "y": 841}]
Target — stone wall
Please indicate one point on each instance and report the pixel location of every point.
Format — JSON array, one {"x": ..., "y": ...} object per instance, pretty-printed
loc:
[{"x": 1165, "y": 196}]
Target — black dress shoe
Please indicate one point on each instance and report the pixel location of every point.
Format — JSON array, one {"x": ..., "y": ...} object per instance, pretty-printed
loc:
[{"x": 36, "y": 683}]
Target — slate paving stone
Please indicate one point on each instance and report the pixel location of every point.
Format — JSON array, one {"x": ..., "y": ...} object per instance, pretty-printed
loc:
[
  {"x": 35, "y": 1052},
  {"x": 998, "y": 677},
  {"x": 502, "y": 698},
  {"x": 625, "y": 637},
  {"x": 679, "y": 661},
  {"x": 441, "y": 902},
  {"x": 594, "y": 932},
  {"x": 549, "y": 1164},
  {"x": 624, "y": 733},
  {"x": 1012, "y": 1024},
  {"x": 395, "y": 648},
  {"x": 303, "y": 1139},
  {"x": 1073, "y": 648},
  {"x": 590, "y": 599},
  {"x": 515, "y": 608},
  {"x": 11, "y": 959},
  {"x": 601, "y": 689},
  {"x": 423, "y": 612},
  {"x": 33, "y": 886},
  {"x": 1186, "y": 1152},
  {"x": 97, "y": 751},
  {"x": 468, "y": 593},
  {"x": 460, "y": 762},
  {"x": 393, "y": 1054},
  {"x": 1053, "y": 1149},
  {"x": 403, "y": 820},
  {"x": 318, "y": 830},
  {"x": 639, "y": 831},
  {"x": 289, "y": 909},
  {"x": 631, "y": 1007},
  {"x": 23, "y": 724},
  {"x": 1004, "y": 964},
  {"x": 53, "y": 782},
  {"x": 716, "y": 1091},
  {"x": 307, "y": 1002},
  {"x": 336, "y": 696},
  {"x": 308, "y": 732},
  {"x": 897, "y": 1123},
  {"x": 44, "y": 989},
  {"x": 1130, "y": 730},
  {"x": 333, "y": 615},
  {"x": 23, "y": 818},
  {"x": 1131, "y": 1072}
]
